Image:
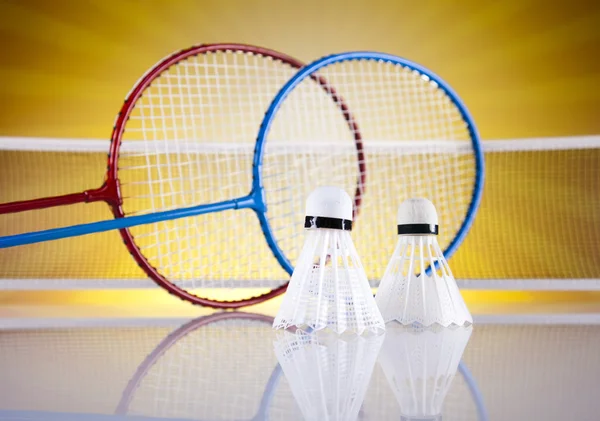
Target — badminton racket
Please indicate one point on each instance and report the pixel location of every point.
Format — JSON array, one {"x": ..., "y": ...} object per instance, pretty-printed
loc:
[
  {"x": 183, "y": 145},
  {"x": 418, "y": 140}
]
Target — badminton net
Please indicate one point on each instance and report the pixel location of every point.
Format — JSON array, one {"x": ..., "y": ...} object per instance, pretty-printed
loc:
[{"x": 537, "y": 222}]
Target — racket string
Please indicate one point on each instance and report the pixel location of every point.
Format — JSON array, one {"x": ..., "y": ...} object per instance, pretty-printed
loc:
[
  {"x": 189, "y": 141},
  {"x": 393, "y": 107}
]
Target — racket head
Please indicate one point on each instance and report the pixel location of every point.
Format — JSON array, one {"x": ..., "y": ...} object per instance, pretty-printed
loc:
[
  {"x": 356, "y": 77},
  {"x": 200, "y": 87}
]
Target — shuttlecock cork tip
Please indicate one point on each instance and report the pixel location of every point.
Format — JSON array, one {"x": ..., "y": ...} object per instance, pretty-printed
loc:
[
  {"x": 417, "y": 216},
  {"x": 329, "y": 207}
]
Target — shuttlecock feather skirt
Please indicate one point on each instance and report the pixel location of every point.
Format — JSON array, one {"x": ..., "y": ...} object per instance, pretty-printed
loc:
[
  {"x": 329, "y": 288},
  {"x": 418, "y": 286}
]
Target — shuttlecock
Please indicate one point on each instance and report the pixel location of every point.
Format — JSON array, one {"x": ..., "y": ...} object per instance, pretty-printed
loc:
[
  {"x": 420, "y": 365},
  {"x": 328, "y": 373},
  {"x": 329, "y": 287},
  {"x": 418, "y": 286}
]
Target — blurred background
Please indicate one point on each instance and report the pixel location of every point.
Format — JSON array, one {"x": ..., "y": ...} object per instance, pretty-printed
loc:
[
  {"x": 524, "y": 68},
  {"x": 528, "y": 71}
]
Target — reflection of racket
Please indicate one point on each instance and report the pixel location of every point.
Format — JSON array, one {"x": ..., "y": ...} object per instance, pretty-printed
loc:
[
  {"x": 467, "y": 379},
  {"x": 215, "y": 367},
  {"x": 184, "y": 145},
  {"x": 419, "y": 141}
]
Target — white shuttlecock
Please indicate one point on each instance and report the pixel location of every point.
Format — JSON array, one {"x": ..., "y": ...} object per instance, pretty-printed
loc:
[
  {"x": 418, "y": 286},
  {"x": 420, "y": 364},
  {"x": 328, "y": 373},
  {"x": 329, "y": 287}
]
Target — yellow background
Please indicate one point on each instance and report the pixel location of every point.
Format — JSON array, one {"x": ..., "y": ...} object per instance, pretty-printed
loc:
[{"x": 524, "y": 69}]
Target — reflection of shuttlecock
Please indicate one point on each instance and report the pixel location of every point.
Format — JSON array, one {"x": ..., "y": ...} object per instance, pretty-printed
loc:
[
  {"x": 418, "y": 286},
  {"x": 420, "y": 364},
  {"x": 329, "y": 287},
  {"x": 328, "y": 374}
]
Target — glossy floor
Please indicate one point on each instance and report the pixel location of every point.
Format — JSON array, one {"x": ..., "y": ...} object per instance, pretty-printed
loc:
[{"x": 232, "y": 366}]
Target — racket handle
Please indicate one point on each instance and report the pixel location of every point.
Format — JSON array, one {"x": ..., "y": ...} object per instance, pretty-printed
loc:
[
  {"x": 126, "y": 222},
  {"x": 104, "y": 193}
]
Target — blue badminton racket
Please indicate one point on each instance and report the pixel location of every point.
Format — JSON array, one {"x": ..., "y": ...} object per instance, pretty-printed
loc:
[{"x": 418, "y": 140}]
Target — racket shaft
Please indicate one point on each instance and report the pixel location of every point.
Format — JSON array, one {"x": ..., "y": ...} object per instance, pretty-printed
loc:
[{"x": 126, "y": 222}]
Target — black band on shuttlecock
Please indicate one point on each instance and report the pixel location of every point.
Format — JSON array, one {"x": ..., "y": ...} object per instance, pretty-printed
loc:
[
  {"x": 418, "y": 229},
  {"x": 323, "y": 222}
]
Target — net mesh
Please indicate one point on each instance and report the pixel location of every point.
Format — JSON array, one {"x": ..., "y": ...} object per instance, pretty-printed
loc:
[
  {"x": 539, "y": 216},
  {"x": 537, "y": 219}
]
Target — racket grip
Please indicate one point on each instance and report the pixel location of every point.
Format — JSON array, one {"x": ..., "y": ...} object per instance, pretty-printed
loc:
[
  {"x": 104, "y": 193},
  {"x": 122, "y": 223}
]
